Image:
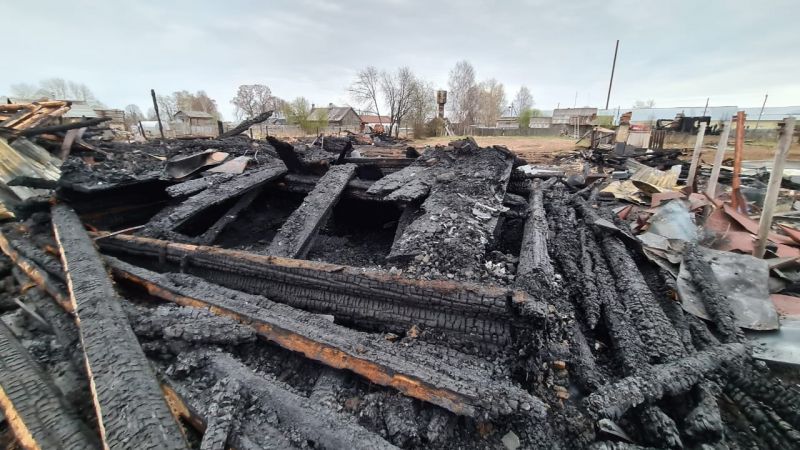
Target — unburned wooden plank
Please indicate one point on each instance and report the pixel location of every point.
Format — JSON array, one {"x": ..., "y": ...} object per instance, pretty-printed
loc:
[
  {"x": 130, "y": 407},
  {"x": 32, "y": 404},
  {"x": 417, "y": 373},
  {"x": 297, "y": 234}
]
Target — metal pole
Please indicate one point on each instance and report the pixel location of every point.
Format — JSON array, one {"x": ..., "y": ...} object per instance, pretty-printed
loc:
[
  {"x": 711, "y": 189},
  {"x": 613, "y": 66},
  {"x": 698, "y": 149},
  {"x": 762, "y": 110},
  {"x": 774, "y": 186}
]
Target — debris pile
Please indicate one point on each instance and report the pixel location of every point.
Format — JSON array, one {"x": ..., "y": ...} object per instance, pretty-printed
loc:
[{"x": 250, "y": 294}]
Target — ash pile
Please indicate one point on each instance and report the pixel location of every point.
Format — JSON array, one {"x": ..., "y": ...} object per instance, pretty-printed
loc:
[{"x": 230, "y": 293}]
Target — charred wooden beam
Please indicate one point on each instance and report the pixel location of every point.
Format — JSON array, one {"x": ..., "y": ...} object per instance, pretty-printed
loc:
[
  {"x": 210, "y": 235},
  {"x": 329, "y": 430},
  {"x": 535, "y": 270},
  {"x": 130, "y": 407},
  {"x": 168, "y": 222},
  {"x": 226, "y": 403},
  {"x": 191, "y": 187},
  {"x": 246, "y": 124},
  {"x": 297, "y": 234},
  {"x": 461, "y": 213},
  {"x": 58, "y": 128},
  {"x": 653, "y": 383},
  {"x": 303, "y": 184},
  {"x": 414, "y": 373},
  {"x": 468, "y": 313},
  {"x": 386, "y": 165},
  {"x": 43, "y": 279},
  {"x": 33, "y": 407}
]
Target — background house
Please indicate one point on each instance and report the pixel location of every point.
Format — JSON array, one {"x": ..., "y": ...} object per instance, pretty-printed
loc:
[
  {"x": 371, "y": 120},
  {"x": 340, "y": 118},
  {"x": 194, "y": 123}
]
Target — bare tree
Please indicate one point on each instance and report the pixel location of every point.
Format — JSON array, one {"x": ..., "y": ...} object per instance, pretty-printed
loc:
[
  {"x": 199, "y": 101},
  {"x": 25, "y": 91},
  {"x": 254, "y": 99},
  {"x": 464, "y": 93},
  {"x": 365, "y": 89},
  {"x": 133, "y": 115},
  {"x": 167, "y": 106},
  {"x": 423, "y": 106},
  {"x": 523, "y": 101},
  {"x": 298, "y": 112},
  {"x": 644, "y": 103},
  {"x": 399, "y": 90},
  {"x": 491, "y": 101}
]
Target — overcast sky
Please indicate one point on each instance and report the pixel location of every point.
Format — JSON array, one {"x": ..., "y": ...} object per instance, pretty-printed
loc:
[{"x": 676, "y": 53}]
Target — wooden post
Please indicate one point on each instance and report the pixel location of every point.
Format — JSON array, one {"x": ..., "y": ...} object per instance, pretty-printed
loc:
[
  {"x": 775, "y": 178},
  {"x": 711, "y": 189},
  {"x": 737, "y": 201},
  {"x": 220, "y": 128},
  {"x": 158, "y": 116},
  {"x": 698, "y": 150}
]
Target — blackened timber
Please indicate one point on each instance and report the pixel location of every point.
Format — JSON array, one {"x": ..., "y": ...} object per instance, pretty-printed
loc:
[
  {"x": 43, "y": 279},
  {"x": 305, "y": 183},
  {"x": 246, "y": 124},
  {"x": 313, "y": 421},
  {"x": 416, "y": 373},
  {"x": 191, "y": 187},
  {"x": 297, "y": 234},
  {"x": 130, "y": 407},
  {"x": 210, "y": 235},
  {"x": 460, "y": 215},
  {"x": 535, "y": 271},
  {"x": 466, "y": 312},
  {"x": 167, "y": 222},
  {"x": 33, "y": 407},
  {"x": 670, "y": 379}
]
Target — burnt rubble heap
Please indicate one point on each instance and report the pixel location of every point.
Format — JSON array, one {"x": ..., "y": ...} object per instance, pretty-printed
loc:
[{"x": 298, "y": 296}]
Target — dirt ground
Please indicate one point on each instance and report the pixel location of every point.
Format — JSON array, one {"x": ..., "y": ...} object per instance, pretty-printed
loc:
[{"x": 541, "y": 149}]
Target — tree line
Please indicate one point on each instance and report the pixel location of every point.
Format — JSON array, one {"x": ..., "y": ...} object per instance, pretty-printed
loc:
[{"x": 406, "y": 99}]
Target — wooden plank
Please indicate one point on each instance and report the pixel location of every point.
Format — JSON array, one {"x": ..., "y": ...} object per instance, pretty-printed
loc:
[
  {"x": 32, "y": 404},
  {"x": 130, "y": 407},
  {"x": 417, "y": 373},
  {"x": 297, "y": 234}
]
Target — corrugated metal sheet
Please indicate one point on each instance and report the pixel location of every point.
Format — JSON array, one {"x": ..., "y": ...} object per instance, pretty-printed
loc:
[
  {"x": 26, "y": 159},
  {"x": 568, "y": 116}
]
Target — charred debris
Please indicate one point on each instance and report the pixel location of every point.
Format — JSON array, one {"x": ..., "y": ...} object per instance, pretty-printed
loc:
[{"x": 232, "y": 293}]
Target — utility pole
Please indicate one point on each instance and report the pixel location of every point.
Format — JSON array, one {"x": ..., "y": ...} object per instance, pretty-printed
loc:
[
  {"x": 158, "y": 116},
  {"x": 613, "y": 66},
  {"x": 762, "y": 110}
]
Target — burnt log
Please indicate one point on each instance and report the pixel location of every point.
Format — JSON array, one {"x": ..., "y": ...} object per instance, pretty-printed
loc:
[
  {"x": 296, "y": 236},
  {"x": 33, "y": 407},
  {"x": 535, "y": 270},
  {"x": 210, "y": 235},
  {"x": 226, "y": 402},
  {"x": 655, "y": 328},
  {"x": 130, "y": 407},
  {"x": 305, "y": 183},
  {"x": 460, "y": 215},
  {"x": 670, "y": 379},
  {"x": 246, "y": 124},
  {"x": 316, "y": 423},
  {"x": 413, "y": 372},
  {"x": 191, "y": 187},
  {"x": 468, "y": 313},
  {"x": 190, "y": 325},
  {"x": 168, "y": 222},
  {"x": 45, "y": 281}
]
